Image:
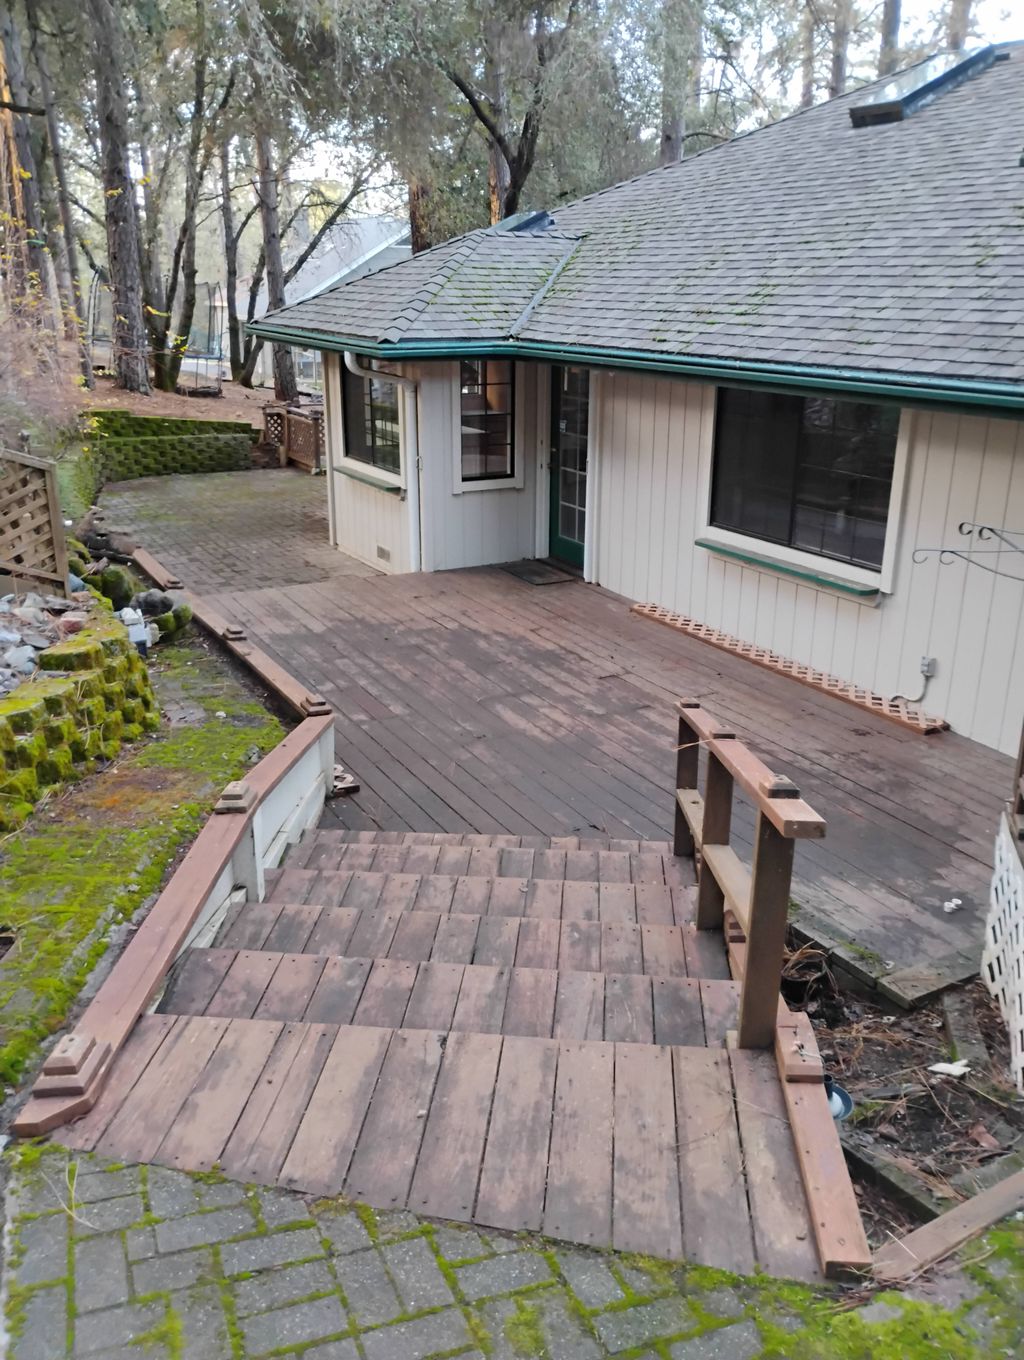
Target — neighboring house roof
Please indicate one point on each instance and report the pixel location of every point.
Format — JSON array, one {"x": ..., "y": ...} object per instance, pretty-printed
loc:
[
  {"x": 349, "y": 250},
  {"x": 895, "y": 249}
]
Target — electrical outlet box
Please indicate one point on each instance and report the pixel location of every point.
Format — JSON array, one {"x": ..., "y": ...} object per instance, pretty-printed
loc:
[{"x": 928, "y": 666}]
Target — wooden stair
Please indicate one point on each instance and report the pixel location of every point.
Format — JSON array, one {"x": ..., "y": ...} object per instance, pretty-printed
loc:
[{"x": 519, "y": 1034}]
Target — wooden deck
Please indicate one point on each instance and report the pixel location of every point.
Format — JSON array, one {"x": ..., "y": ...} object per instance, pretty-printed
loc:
[
  {"x": 521, "y": 1036},
  {"x": 470, "y": 700}
]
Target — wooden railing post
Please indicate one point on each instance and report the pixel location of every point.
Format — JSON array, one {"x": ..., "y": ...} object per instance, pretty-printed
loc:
[
  {"x": 715, "y": 830},
  {"x": 766, "y": 935},
  {"x": 687, "y": 765}
]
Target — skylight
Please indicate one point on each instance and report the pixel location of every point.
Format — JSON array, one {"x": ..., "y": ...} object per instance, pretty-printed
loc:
[{"x": 893, "y": 101}]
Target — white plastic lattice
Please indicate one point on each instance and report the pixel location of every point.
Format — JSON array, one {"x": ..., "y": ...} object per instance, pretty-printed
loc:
[{"x": 1002, "y": 962}]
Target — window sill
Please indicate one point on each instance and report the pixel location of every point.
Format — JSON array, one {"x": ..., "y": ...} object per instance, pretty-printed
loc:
[
  {"x": 858, "y": 583},
  {"x": 490, "y": 484},
  {"x": 369, "y": 478}
]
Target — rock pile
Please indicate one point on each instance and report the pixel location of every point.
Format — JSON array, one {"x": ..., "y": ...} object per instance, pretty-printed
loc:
[{"x": 28, "y": 625}]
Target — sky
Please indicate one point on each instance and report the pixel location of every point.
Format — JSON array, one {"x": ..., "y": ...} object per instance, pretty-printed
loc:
[{"x": 994, "y": 18}]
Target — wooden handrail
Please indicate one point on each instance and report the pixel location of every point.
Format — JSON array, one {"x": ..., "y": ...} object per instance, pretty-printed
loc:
[
  {"x": 756, "y": 898},
  {"x": 74, "y": 1073},
  {"x": 750, "y": 905}
]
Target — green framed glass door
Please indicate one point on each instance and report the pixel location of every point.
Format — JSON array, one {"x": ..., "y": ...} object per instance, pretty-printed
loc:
[{"x": 570, "y": 413}]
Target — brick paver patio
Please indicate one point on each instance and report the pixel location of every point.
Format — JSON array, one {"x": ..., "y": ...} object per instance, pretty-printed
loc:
[
  {"x": 143, "y": 1263},
  {"x": 231, "y": 530}
]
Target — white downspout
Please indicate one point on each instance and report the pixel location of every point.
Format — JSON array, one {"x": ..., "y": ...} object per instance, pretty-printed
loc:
[{"x": 410, "y": 429}]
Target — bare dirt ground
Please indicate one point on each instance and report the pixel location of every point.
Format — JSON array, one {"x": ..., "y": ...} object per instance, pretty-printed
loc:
[
  {"x": 235, "y": 403},
  {"x": 919, "y": 1141}
]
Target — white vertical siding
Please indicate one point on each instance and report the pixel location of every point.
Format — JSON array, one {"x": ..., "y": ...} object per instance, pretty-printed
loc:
[
  {"x": 365, "y": 519},
  {"x": 656, "y": 437},
  {"x": 478, "y": 527}
]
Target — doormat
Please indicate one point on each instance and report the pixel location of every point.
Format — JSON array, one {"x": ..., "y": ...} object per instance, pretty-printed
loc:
[
  {"x": 537, "y": 573},
  {"x": 896, "y": 710}
]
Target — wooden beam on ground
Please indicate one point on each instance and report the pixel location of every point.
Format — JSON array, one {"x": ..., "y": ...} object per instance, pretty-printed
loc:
[
  {"x": 832, "y": 1206},
  {"x": 900, "y": 1260},
  {"x": 304, "y": 702}
]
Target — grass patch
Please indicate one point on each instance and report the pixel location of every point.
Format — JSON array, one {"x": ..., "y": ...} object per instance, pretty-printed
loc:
[{"x": 91, "y": 858}]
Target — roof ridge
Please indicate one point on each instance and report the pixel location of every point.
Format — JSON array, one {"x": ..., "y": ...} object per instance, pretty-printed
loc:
[
  {"x": 545, "y": 287},
  {"x": 429, "y": 290}
]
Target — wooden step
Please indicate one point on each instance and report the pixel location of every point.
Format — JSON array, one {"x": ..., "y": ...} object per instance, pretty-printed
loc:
[
  {"x": 337, "y": 836},
  {"x": 246, "y": 984},
  {"x": 324, "y": 851},
  {"x": 481, "y": 895},
  {"x": 615, "y": 946},
  {"x": 632, "y": 1146}
]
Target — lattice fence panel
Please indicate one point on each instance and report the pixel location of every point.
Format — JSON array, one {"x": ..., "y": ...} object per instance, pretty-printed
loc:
[
  {"x": 32, "y": 547},
  {"x": 1002, "y": 962}
]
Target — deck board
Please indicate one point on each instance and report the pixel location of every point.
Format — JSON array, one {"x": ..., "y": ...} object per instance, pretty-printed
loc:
[
  {"x": 910, "y": 817},
  {"x": 508, "y": 1132}
]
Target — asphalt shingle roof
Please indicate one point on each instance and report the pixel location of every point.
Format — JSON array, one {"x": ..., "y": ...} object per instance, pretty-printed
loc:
[{"x": 893, "y": 248}]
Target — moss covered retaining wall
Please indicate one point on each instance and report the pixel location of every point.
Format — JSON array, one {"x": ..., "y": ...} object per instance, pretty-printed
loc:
[
  {"x": 91, "y": 694},
  {"x": 122, "y": 446}
]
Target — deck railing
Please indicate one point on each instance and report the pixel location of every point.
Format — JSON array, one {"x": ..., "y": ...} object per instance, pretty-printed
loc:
[
  {"x": 299, "y": 433},
  {"x": 749, "y": 904}
]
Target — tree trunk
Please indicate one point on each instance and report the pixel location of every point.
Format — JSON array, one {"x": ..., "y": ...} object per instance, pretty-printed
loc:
[
  {"x": 889, "y": 56},
  {"x": 76, "y": 318},
  {"x": 227, "y": 213},
  {"x": 682, "y": 22},
  {"x": 808, "y": 43},
  {"x": 840, "y": 47},
  {"x": 285, "y": 386},
  {"x": 958, "y": 24},
  {"x": 38, "y": 282},
  {"x": 158, "y": 321},
  {"x": 128, "y": 332},
  {"x": 499, "y": 174},
  {"x": 419, "y": 219}
]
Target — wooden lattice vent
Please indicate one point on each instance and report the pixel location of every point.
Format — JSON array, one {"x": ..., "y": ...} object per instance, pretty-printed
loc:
[
  {"x": 896, "y": 710},
  {"x": 32, "y": 548},
  {"x": 273, "y": 423}
]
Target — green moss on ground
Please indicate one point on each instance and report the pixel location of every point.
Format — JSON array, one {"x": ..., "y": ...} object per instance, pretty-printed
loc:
[{"x": 91, "y": 858}]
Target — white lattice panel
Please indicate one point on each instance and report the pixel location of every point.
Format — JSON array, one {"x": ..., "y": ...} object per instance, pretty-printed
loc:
[{"x": 1002, "y": 962}]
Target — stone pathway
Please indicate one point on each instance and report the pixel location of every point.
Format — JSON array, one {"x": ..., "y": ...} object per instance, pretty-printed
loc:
[
  {"x": 243, "y": 530},
  {"x": 143, "y": 1263}
]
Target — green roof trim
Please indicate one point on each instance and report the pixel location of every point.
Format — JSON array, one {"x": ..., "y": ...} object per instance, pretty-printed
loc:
[{"x": 914, "y": 389}]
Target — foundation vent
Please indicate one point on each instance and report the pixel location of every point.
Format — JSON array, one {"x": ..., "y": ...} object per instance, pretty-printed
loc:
[{"x": 383, "y": 553}]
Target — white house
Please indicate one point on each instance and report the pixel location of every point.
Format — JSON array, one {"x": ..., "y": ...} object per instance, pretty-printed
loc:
[{"x": 777, "y": 388}]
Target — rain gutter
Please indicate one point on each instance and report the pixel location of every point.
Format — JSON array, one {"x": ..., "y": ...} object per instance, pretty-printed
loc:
[{"x": 922, "y": 389}]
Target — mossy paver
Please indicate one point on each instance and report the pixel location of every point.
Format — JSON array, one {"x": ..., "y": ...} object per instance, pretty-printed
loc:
[
  {"x": 334, "y": 1281},
  {"x": 88, "y": 859},
  {"x": 233, "y": 530}
]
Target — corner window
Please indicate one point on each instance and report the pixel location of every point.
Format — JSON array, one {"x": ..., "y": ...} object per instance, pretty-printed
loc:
[
  {"x": 371, "y": 421},
  {"x": 487, "y": 420},
  {"x": 807, "y": 472}
]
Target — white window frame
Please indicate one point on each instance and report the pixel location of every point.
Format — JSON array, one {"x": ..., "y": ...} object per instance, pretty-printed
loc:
[
  {"x": 356, "y": 467},
  {"x": 823, "y": 569},
  {"x": 517, "y": 481}
]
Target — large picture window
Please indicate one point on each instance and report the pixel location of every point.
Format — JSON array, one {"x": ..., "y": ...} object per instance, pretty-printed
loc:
[
  {"x": 487, "y": 419},
  {"x": 371, "y": 421},
  {"x": 807, "y": 472}
]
